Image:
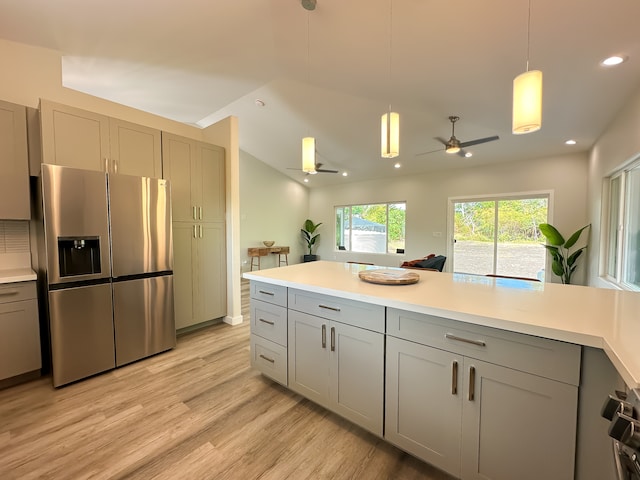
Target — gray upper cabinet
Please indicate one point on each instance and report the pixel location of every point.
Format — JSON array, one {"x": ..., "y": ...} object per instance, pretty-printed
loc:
[
  {"x": 14, "y": 163},
  {"x": 81, "y": 139}
]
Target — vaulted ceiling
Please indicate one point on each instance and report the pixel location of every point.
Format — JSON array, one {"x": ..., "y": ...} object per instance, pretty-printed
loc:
[{"x": 326, "y": 72}]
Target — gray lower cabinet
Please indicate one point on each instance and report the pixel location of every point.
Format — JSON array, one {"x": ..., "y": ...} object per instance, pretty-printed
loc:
[
  {"x": 19, "y": 330},
  {"x": 338, "y": 366},
  {"x": 480, "y": 418}
]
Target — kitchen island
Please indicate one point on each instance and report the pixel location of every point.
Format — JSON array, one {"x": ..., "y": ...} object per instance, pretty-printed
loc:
[{"x": 479, "y": 376}]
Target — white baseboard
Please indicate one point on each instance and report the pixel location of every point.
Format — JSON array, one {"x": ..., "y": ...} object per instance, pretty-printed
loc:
[{"x": 233, "y": 320}]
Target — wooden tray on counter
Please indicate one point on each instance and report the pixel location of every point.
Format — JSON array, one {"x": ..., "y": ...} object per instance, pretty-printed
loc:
[{"x": 389, "y": 277}]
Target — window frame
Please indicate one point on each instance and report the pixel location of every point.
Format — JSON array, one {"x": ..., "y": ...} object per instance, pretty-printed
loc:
[
  {"x": 614, "y": 248},
  {"x": 348, "y": 247},
  {"x": 548, "y": 194}
]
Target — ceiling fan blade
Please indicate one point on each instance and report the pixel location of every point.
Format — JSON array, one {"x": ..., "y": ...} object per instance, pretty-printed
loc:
[
  {"x": 442, "y": 140},
  {"x": 479, "y": 141},
  {"x": 324, "y": 170},
  {"x": 430, "y": 151}
]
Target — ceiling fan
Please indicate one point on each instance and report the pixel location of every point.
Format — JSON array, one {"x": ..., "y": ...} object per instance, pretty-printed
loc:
[
  {"x": 453, "y": 145},
  {"x": 319, "y": 169}
]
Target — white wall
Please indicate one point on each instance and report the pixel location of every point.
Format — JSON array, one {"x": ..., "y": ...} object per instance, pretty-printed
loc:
[
  {"x": 427, "y": 198},
  {"x": 272, "y": 207},
  {"x": 619, "y": 144}
]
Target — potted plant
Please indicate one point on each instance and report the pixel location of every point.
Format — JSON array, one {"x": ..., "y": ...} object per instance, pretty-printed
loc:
[
  {"x": 310, "y": 237},
  {"x": 564, "y": 261}
]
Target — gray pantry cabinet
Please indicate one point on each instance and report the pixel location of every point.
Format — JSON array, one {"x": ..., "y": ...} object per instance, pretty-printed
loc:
[
  {"x": 78, "y": 138},
  {"x": 196, "y": 171},
  {"x": 14, "y": 163}
]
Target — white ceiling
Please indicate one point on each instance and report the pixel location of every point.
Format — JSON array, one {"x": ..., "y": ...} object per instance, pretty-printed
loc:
[{"x": 326, "y": 73}]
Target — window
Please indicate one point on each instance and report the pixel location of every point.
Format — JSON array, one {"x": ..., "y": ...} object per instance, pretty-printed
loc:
[
  {"x": 376, "y": 228},
  {"x": 499, "y": 236},
  {"x": 623, "y": 228}
]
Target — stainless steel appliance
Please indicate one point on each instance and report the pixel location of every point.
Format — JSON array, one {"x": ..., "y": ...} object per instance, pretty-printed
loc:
[
  {"x": 109, "y": 261},
  {"x": 623, "y": 411}
]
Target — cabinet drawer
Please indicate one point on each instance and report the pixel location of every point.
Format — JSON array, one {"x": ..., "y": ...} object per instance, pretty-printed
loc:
[
  {"x": 269, "y": 321},
  {"x": 539, "y": 356},
  {"x": 16, "y": 292},
  {"x": 266, "y": 292},
  {"x": 270, "y": 358},
  {"x": 351, "y": 312}
]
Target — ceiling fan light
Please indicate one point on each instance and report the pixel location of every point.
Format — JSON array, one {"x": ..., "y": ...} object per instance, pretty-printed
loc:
[
  {"x": 390, "y": 135},
  {"x": 527, "y": 102},
  {"x": 309, "y": 155},
  {"x": 452, "y": 149}
]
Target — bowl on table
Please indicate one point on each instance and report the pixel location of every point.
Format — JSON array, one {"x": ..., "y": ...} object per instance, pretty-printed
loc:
[{"x": 268, "y": 243}]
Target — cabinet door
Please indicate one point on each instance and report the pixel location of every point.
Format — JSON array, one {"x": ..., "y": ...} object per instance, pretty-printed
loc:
[
  {"x": 184, "y": 243},
  {"x": 424, "y": 402},
  {"x": 357, "y": 375},
  {"x": 308, "y": 356},
  {"x": 211, "y": 267},
  {"x": 517, "y": 425},
  {"x": 19, "y": 338},
  {"x": 135, "y": 149},
  {"x": 74, "y": 138},
  {"x": 209, "y": 182},
  {"x": 14, "y": 163},
  {"x": 177, "y": 155}
]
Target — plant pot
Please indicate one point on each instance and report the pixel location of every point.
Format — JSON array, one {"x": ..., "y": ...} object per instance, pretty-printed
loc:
[{"x": 310, "y": 258}]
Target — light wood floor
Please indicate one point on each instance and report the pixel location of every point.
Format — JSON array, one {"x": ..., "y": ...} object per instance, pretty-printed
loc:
[{"x": 196, "y": 412}]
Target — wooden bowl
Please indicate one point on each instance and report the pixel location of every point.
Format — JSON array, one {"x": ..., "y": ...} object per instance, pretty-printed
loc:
[{"x": 268, "y": 243}]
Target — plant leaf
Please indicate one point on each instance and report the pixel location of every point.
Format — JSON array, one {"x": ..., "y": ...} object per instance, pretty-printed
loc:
[
  {"x": 552, "y": 235},
  {"x": 557, "y": 268},
  {"x": 574, "y": 238},
  {"x": 574, "y": 256}
]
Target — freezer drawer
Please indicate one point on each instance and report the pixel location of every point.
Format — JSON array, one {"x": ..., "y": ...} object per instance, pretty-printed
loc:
[
  {"x": 81, "y": 322},
  {"x": 144, "y": 317}
]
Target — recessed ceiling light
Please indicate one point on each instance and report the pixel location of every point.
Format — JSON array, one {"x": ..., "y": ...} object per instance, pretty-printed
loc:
[
  {"x": 344, "y": 174},
  {"x": 468, "y": 154},
  {"x": 260, "y": 103},
  {"x": 614, "y": 60},
  {"x": 306, "y": 180},
  {"x": 397, "y": 165},
  {"x": 570, "y": 142}
]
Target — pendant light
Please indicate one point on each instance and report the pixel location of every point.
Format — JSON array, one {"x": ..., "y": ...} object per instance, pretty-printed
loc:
[
  {"x": 527, "y": 95},
  {"x": 390, "y": 121},
  {"x": 308, "y": 143}
]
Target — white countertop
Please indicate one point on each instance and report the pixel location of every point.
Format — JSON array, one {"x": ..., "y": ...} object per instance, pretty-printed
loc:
[
  {"x": 594, "y": 317},
  {"x": 12, "y": 275}
]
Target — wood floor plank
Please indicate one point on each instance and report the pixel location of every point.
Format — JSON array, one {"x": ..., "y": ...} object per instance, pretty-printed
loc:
[{"x": 196, "y": 412}]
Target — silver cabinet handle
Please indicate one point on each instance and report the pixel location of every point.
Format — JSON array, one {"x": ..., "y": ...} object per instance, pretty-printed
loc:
[
  {"x": 8, "y": 292},
  {"x": 114, "y": 165},
  {"x": 194, "y": 213},
  {"x": 200, "y": 227},
  {"x": 195, "y": 235},
  {"x": 270, "y": 360},
  {"x": 266, "y": 293},
  {"x": 324, "y": 336},
  {"x": 106, "y": 164},
  {"x": 199, "y": 213},
  {"x": 266, "y": 321},
  {"x": 454, "y": 378},
  {"x": 329, "y": 308},
  {"x": 451, "y": 336},
  {"x": 333, "y": 339},
  {"x": 472, "y": 383}
]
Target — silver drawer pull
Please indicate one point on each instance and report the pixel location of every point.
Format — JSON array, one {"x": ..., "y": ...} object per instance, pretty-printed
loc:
[
  {"x": 270, "y": 360},
  {"x": 450, "y": 336},
  {"x": 329, "y": 308},
  {"x": 266, "y": 293},
  {"x": 8, "y": 292},
  {"x": 472, "y": 383},
  {"x": 266, "y": 321},
  {"x": 324, "y": 336}
]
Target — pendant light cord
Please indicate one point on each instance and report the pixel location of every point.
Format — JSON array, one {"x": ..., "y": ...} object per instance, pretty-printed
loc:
[
  {"x": 528, "y": 34},
  {"x": 390, "y": 49}
]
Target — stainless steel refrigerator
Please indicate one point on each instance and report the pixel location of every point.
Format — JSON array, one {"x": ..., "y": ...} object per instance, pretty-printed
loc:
[{"x": 109, "y": 261}]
